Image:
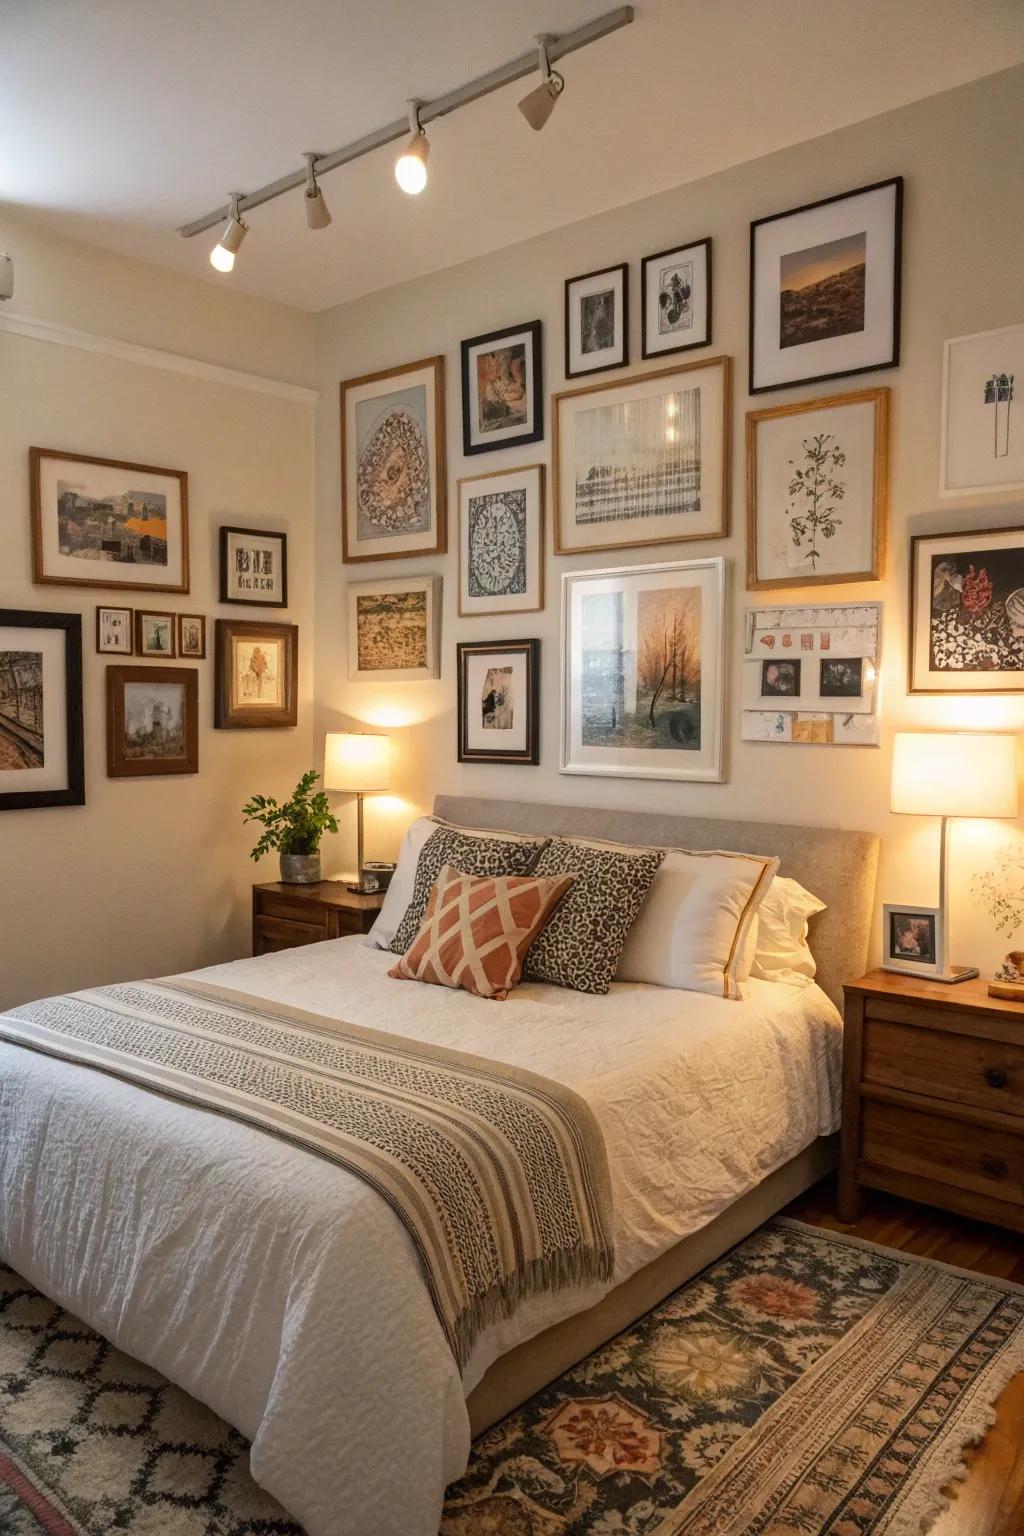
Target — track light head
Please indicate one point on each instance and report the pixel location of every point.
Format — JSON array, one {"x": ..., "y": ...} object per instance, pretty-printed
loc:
[
  {"x": 411, "y": 165},
  {"x": 538, "y": 105},
  {"x": 318, "y": 215},
  {"x": 6, "y": 276},
  {"x": 222, "y": 257}
]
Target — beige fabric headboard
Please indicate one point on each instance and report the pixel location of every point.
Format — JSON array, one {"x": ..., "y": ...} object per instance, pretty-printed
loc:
[{"x": 839, "y": 867}]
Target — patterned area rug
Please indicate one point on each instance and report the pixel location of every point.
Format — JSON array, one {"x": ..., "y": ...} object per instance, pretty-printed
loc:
[{"x": 807, "y": 1384}]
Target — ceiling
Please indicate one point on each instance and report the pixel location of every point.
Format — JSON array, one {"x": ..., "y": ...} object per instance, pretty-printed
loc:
[{"x": 121, "y": 119}]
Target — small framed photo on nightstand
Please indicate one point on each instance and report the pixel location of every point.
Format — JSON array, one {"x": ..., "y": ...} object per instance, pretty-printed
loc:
[{"x": 912, "y": 940}]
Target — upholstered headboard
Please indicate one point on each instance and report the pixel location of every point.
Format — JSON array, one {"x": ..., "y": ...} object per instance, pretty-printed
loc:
[{"x": 839, "y": 867}]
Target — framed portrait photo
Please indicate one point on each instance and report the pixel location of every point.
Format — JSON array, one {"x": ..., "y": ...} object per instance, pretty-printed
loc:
[
  {"x": 817, "y": 490},
  {"x": 254, "y": 567},
  {"x": 115, "y": 631},
  {"x": 108, "y": 523},
  {"x": 501, "y": 542},
  {"x": 42, "y": 761},
  {"x": 675, "y": 299},
  {"x": 394, "y": 629},
  {"x": 192, "y": 636},
  {"x": 502, "y": 389},
  {"x": 912, "y": 939},
  {"x": 643, "y": 460},
  {"x": 825, "y": 288},
  {"x": 499, "y": 701},
  {"x": 156, "y": 634},
  {"x": 257, "y": 667},
  {"x": 152, "y": 721},
  {"x": 982, "y": 433},
  {"x": 393, "y": 480},
  {"x": 597, "y": 321},
  {"x": 967, "y": 612},
  {"x": 810, "y": 675},
  {"x": 643, "y": 671}
]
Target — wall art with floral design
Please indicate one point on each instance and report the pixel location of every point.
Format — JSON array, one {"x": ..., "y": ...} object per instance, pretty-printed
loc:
[{"x": 967, "y": 612}]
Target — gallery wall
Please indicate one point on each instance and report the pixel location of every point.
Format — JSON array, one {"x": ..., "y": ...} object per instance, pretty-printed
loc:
[{"x": 963, "y": 235}]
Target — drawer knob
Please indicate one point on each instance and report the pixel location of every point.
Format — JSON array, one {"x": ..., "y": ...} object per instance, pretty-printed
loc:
[
  {"x": 996, "y": 1166},
  {"x": 995, "y": 1077}
]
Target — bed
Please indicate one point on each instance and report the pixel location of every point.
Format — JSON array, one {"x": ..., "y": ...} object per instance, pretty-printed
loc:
[{"x": 283, "y": 1292}]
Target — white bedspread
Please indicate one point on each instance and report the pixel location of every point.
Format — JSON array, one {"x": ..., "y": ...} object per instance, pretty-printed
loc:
[{"x": 284, "y": 1293}]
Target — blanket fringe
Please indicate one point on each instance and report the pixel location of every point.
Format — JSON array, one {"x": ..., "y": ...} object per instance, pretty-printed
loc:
[{"x": 551, "y": 1272}]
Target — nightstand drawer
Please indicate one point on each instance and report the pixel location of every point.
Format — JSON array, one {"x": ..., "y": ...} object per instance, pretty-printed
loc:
[
  {"x": 283, "y": 933},
  {"x": 945, "y": 1151},
  {"x": 964, "y": 1069},
  {"x": 291, "y": 910}
]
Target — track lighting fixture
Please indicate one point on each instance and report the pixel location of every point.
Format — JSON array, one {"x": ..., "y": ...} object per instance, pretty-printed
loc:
[
  {"x": 539, "y": 104},
  {"x": 318, "y": 215},
  {"x": 235, "y": 230},
  {"x": 411, "y": 165},
  {"x": 6, "y": 276}
]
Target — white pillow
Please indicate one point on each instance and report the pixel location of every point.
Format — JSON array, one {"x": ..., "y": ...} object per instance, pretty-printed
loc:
[
  {"x": 399, "y": 892},
  {"x": 693, "y": 930},
  {"x": 783, "y": 953}
]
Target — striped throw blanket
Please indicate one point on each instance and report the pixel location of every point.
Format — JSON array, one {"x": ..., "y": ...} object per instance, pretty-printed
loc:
[{"x": 499, "y": 1176}]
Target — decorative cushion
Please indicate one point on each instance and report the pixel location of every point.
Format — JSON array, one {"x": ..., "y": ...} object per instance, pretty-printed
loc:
[
  {"x": 580, "y": 946},
  {"x": 476, "y": 930},
  {"x": 399, "y": 893},
  {"x": 470, "y": 852},
  {"x": 783, "y": 953}
]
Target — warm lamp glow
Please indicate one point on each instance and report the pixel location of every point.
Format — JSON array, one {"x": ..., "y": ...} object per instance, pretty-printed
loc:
[
  {"x": 357, "y": 763},
  {"x": 937, "y": 773},
  {"x": 411, "y": 165}
]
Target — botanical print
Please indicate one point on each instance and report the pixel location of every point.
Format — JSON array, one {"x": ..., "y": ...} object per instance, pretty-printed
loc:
[
  {"x": 821, "y": 291},
  {"x": 126, "y": 527},
  {"x": 1000, "y": 888},
  {"x": 675, "y": 287},
  {"x": 501, "y": 388},
  {"x": 21, "y": 710},
  {"x": 977, "y": 611},
  {"x": 641, "y": 687},
  {"x": 983, "y": 423},
  {"x": 391, "y": 631},
  {"x": 912, "y": 937},
  {"x": 809, "y": 674},
  {"x": 780, "y": 678},
  {"x": 392, "y": 464},
  {"x": 597, "y": 320},
  {"x": 817, "y": 489},
  {"x": 496, "y": 540},
  {"x": 258, "y": 675},
  {"x": 638, "y": 459},
  {"x": 154, "y": 720},
  {"x": 497, "y": 703},
  {"x": 839, "y": 679}
]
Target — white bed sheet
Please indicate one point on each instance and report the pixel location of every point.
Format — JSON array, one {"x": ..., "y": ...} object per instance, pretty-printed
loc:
[{"x": 283, "y": 1292}]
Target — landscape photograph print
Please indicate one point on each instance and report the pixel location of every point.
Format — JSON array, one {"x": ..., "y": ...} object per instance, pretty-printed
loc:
[
  {"x": 822, "y": 291},
  {"x": 392, "y": 471},
  {"x": 41, "y": 737}
]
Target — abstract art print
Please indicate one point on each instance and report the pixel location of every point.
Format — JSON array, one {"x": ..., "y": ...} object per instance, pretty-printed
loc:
[
  {"x": 597, "y": 321},
  {"x": 675, "y": 299},
  {"x": 393, "y": 479},
  {"x": 393, "y": 629},
  {"x": 967, "y": 612},
  {"x": 644, "y": 460},
  {"x": 825, "y": 288},
  {"x": 152, "y": 721},
  {"x": 254, "y": 567},
  {"x": 983, "y": 413},
  {"x": 501, "y": 542},
  {"x": 115, "y": 631},
  {"x": 499, "y": 699},
  {"x": 41, "y": 741},
  {"x": 810, "y": 675},
  {"x": 156, "y": 634},
  {"x": 643, "y": 671},
  {"x": 108, "y": 523},
  {"x": 502, "y": 389},
  {"x": 257, "y": 669}
]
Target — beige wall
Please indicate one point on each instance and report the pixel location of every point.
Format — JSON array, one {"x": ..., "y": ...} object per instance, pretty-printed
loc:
[
  {"x": 149, "y": 876},
  {"x": 963, "y": 238}
]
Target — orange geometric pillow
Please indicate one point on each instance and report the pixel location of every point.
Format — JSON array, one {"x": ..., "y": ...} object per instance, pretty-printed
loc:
[{"x": 476, "y": 930}]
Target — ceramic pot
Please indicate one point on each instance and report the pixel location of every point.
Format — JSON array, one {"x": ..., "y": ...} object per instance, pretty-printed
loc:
[{"x": 300, "y": 868}]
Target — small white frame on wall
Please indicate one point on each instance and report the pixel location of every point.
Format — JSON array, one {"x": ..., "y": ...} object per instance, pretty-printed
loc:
[{"x": 982, "y": 443}]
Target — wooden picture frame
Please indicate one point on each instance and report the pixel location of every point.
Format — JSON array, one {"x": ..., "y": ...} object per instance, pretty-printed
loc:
[
  {"x": 957, "y": 585},
  {"x": 697, "y": 255},
  {"x": 30, "y": 680},
  {"x": 126, "y": 628},
  {"x": 169, "y": 625},
  {"x": 583, "y": 338},
  {"x": 187, "y": 650},
  {"x": 149, "y": 708},
  {"x": 518, "y": 740},
  {"x": 265, "y": 588},
  {"x": 510, "y": 528},
  {"x": 513, "y": 414},
  {"x": 255, "y": 688}
]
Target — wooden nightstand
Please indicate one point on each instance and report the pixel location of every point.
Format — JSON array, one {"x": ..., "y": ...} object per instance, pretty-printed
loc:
[
  {"x": 933, "y": 1097},
  {"x": 286, "y": 915}
]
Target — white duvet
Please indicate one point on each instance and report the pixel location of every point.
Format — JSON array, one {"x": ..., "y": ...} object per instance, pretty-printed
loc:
[{"x": 283, "y": 1292}]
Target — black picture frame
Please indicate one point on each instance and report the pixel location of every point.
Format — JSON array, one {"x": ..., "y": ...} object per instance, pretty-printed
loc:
[
  {"x": 530, "y": 649},
  {"x": 74, "y": 793},
  {"x": 705, "y": 244},
  {"x": 253, "y": 602},
  {"x": 617, "y": 269},
  {"x": 528, "y": 435}
]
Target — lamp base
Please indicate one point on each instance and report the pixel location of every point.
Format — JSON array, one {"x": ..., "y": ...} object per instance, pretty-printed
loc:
[{"x": 958, "y": 973}]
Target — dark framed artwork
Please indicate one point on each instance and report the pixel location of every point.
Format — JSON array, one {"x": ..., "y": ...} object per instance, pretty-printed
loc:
[
  {"x": 675, "y": 299},
  {"x": 257, "y": 667},
  {"x": 254, "y": 567},
  {"x": 42, "y": 761},
  {"x": 597, "y": 321},
  {"x": 115, "y": 631},
  {"x": 156, "y": 634},
  {"x": 499, "y": 701},
  {"x": 825, "y": 288},
  {"x": 152, "y": 721},
  {"x": 191, "y": 637},
  {"x": 502, "y": 389},
  {"x": 967, "y": 612}
]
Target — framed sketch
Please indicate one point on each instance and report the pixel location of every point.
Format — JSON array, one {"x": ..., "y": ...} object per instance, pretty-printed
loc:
[
  {"x": 982, "y": 434},
  {"x": 192, "y": 636},
  {"x": 967, "y": 612},
  {"x": 254, "y": 567},
  {"x": 394, "y": 629},
  {"x": 643, "y": 671},
  {"x": 501, "y": 542},
  {"x": 817, "y": 485},
  {"x": 108, "y": 523},
  {"x": 675, "y": 299},
  {"x": 257, "y": 669},
  {"x": 810, "y": 675},
  {"x": 597, "y": 321},
  {"x": 499, "y": 701},
  {"x": 393, "y": 480},
  {"x": 42, "y": 761},
  {"x": 156, "y": 634},
  {"x": 643, "y": 460},
  {"x": 912, "y": 939},
  {"x": 115, "y": 631},
  {"x": 825, "y": 288},
  {"x": 502, "y": 389},
  {"x": 152, "y": 721}
]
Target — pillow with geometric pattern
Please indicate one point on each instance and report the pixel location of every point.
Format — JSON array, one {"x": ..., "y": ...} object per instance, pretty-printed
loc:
[{"x": 470, "y": 852}]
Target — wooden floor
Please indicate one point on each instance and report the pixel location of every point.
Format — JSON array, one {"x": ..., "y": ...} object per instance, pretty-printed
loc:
[{"x": 991, "y": 1501}]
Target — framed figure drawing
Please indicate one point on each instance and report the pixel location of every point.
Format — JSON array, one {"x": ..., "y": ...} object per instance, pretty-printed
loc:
[
  {"x": 982, "y": 433},
  {"x": 597, "y": 321},
  {"x": 257, "y": 674},
  {"x": 643, "y": 671},
  {"x": 967, "y": 612},
  {"x": 394, "y": 629},
  {"x": 254, "y": 567},
  {"x": 115, "y": 632},
  {"x": 825, "y": 288},
  {"x": 156, "y": 634},
  {"x": 502, "y": 389},
  {"x": 393, "y": 482},
  {"x": 501, "y": 542},
  {"x": 152, "y": 721},
  {"x": 499, "y": 701},
  {"x": 192, "y": 636},
  {"x": 108, "y": 523},
  {"x": 643, "y": 460},
  {"x": 675, "y": 299},
  {"x": 810, "y": 674},
  {"x": 42, "y": 762},
  {"x": 817, "y": 479}
]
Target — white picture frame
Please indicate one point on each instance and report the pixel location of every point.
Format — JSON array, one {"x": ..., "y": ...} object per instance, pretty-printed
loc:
[
  {"x": 897, "y": 959},
  {"x": 501, "y": 542},
  {"x": 837, "y": 649},
  {"x": 394, "y": 629},
  {"x": 982, "y": 442}
]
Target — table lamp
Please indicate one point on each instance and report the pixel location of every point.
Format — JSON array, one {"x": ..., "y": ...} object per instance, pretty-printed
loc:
[
  {"x": 357, "y": 763},
  {"x": 949, "y": 774}
]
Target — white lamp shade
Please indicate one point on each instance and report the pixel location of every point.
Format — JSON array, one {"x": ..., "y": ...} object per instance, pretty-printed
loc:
[
  {"x": 357, "y": 762},
  {"x": 954, "y": 774}
]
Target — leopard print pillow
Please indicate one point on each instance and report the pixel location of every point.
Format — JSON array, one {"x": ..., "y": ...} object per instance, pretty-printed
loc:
[
  {"x": 471, "y": 853},
  {"x": 581, "y": 945}
]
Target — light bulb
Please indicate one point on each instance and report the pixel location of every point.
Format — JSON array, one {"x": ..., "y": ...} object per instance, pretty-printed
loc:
[
  {"x": 411, "y": 165},
  {"x": 222, "y": 257},
  {"x": 223, "y": 260}
]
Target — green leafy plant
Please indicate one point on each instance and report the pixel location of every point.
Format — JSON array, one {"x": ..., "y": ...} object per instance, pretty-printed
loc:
[{"x": 296, "y": 826}]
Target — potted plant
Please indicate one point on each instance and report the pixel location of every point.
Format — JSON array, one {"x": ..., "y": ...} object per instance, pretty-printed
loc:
[{"x": 294, "y": 829}]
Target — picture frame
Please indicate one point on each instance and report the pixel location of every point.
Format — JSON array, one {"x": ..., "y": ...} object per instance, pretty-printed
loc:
[
  {"x": 253, "y": 567},
  {"x": 643, "y": 671},
  {"x": 675, "y": 299},
  {"x": 501, "y": 542},
  {"x": 967, "y": 612},
  {"x": 502, "y": 389},
  {"x": 394, "y": 629},
  {"x": 817, "y": 490},
  {"x": 152, "y": 721},
  {"x": 396, "y": 415},
  {"x": 982, "y": 444},
  {"x": 836, "y": 651},
  {"x": 906, "y": 928},
  {"x": 115, "y": 631},
  {"x": 642, "y": 460},
  {"x": 825, "y": 288},
  {"x": 191, "y": 637},
  {"x": 156, "y": 634},
  {"x": 498, "y": 701},
  {"x": 597, "y": 321},
  {"x": 107, "y": 523},
  {"x": 257, "y": 675},
  {"x": 42, "y": 753}
]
